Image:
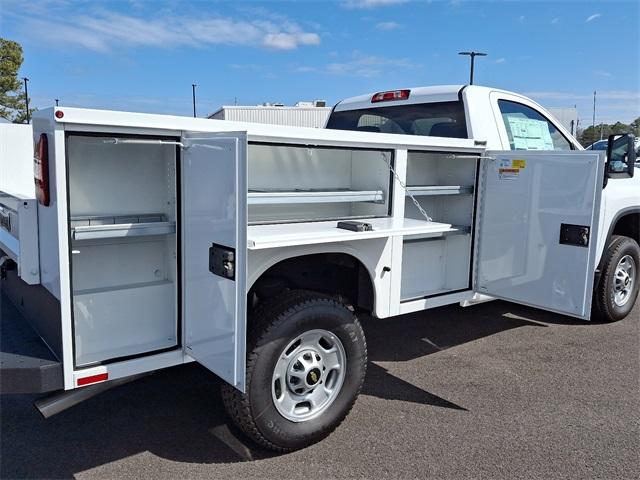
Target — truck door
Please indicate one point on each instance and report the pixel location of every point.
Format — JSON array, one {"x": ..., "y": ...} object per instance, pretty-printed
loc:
[
  {"x": 536, "y": 228},
  {"x": 214, "y": 251}
]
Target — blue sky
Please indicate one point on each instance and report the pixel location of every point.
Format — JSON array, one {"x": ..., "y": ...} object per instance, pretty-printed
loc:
[{"x": 144, "y": 55}]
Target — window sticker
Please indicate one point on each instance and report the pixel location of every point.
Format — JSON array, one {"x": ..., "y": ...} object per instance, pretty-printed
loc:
[{"x": 530, "y": 134}]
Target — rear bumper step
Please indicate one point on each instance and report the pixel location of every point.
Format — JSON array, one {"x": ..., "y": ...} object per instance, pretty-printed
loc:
[{"x": 26, "y": 363}]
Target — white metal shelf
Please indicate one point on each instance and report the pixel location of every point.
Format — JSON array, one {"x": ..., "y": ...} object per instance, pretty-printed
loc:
[
  {"x": 307, "y": 233},
  {"x": 271, "y": 197},
  {"x": 103, "y": 227},
  {"x": 419, "y": 190},
  {"x": 122, "y": 230},
  {"x": 454, "y": 230}
]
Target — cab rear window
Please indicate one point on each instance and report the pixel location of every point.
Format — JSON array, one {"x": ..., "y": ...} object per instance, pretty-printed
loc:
[{"x": 442, "y": 119}]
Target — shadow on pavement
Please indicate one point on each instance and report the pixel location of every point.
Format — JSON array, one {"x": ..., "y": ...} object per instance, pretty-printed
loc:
[
  {"x": 177, "y": 413},
  {"x": 408, "y": 337}
]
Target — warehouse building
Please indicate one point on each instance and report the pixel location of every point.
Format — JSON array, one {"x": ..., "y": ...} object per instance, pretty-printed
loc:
[
  {"x": 302, "y": 114},
  {"x": 567, "y": 116}
]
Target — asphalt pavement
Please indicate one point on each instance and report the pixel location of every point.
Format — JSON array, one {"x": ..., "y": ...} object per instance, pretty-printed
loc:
[{"x": 490, "y": 391}]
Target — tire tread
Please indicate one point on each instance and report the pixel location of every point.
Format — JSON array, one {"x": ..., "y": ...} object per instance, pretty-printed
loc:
[{"x": 602, "y": 305}]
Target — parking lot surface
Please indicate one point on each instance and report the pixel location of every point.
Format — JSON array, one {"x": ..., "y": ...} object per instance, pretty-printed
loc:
[{"x": 491, "y": 391}]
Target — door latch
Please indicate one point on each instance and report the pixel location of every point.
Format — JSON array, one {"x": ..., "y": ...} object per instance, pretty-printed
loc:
[
  {"x": 222, "y": 261},
  {"x": 577, "y": 235},
  {"x": 5, "y": 221}
]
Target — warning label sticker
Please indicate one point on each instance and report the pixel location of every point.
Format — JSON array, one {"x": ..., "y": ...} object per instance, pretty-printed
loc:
[
  {"x": 510, "y": 169},
  {"x": 508, "y": 173}
]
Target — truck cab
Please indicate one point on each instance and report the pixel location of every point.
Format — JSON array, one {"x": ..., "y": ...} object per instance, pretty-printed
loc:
[{"x": 510, "y": 121}]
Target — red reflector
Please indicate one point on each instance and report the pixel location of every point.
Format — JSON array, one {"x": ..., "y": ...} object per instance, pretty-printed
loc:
[
  {"x": 41, "y": 170},
  {"x": 390, "y": 96},
  {"x": 101, "y": 377},
  {"x": 59, "y": 114}
]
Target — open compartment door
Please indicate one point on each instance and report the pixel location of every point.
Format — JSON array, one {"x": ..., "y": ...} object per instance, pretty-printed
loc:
[
  {"x": 214, "y": 251},
  {"x": 537, "y": 228}
]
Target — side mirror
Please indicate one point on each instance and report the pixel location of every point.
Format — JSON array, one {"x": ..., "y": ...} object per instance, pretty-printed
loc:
[{"x": 621, "y": 156}]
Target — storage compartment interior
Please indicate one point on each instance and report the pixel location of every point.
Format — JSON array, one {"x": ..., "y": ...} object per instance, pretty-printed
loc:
[
  {"x": 290, "y": 183},
  {"x": 123, "y": 216},
  {"x": 443, "y": 185}
]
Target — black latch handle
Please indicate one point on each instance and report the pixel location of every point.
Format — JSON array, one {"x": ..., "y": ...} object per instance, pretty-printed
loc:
[
  {"x": 577, "y": 235},
  {"x": 222, "y": 261}
]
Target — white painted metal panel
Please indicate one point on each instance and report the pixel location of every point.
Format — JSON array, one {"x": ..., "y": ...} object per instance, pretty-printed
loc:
[
  {"x": 19, "y": 235},
  {"x": 525, "y": 197},
  {"x": 117, "y": 322},
  {"x": 434, "y": 266},
  {"x": 16, "y": 160},
  {"x": 214, "y": 194},
  {"x": 126, "y": 122}
]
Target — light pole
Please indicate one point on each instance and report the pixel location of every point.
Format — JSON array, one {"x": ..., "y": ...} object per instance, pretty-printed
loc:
[
  {"x": 473, "y": 56},
  {"x": 193, "y": 95},
  {"x": 57, "y": 102},
  {"x": 593, "y": 124},
  {"x": 26, "y": 97}
]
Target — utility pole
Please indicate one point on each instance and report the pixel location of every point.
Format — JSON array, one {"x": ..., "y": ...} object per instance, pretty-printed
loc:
[
  {"x": 593, "y": 124},
  {"x": 26, "y": 97},
  {"x": 193, "y": 95},
  {"x": 56, "y": 102},
  {"x": 473, "y": 56}
]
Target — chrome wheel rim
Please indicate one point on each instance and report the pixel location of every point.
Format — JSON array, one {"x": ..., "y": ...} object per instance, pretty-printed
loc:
[
  {"x": 308, "y": 375},
  {"x": 624, "y": 280}
]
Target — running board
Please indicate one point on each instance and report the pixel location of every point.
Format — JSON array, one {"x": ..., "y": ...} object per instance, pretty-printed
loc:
[{"x": 60, "y": 401}]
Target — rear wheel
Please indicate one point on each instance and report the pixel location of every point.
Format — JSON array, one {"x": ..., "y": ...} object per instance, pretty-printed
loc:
[
  {"x": 306, "y": 363},
  {"x": 617, "y": 289}
]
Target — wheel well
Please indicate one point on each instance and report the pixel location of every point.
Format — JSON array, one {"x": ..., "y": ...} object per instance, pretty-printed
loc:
[
  {"x": 629, "y": 226},
  {"x": 338, "y": 274}
]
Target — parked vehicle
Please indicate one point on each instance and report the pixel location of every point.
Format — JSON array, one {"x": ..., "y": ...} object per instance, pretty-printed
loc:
[
  {"x": 511, "y": 121},
  {"x": 599, "y": 145},
  {"x": 252, "y": 249}
]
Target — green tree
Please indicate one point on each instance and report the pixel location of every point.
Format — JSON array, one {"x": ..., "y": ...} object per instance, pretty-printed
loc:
[
  {"x": 591, "y": 134},
  {"x": 12, "y": 101},
  {"x": 635, "y": 127}
]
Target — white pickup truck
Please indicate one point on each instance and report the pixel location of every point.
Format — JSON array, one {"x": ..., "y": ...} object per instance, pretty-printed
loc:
[
  {"x": 150, "y": 241},
  {"x": 504, "y": 120}
]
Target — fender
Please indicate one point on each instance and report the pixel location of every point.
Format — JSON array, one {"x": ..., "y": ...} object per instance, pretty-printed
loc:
[
  {"x": 612, "y": 226},
  {"x": 258, "y": 266}
]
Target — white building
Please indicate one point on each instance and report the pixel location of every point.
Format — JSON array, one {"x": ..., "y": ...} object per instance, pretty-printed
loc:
[
  {"x": 567, "y": 116},
  {"x": 302, "y": 114}
]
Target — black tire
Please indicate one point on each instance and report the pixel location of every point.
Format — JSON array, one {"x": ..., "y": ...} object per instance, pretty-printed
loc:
[
  {"x": 272, "y": 327},
  {"x": 604, "y": 305}
]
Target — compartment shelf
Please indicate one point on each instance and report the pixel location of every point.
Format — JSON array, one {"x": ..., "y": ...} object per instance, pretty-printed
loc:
[
  {"x": 307, "y": 233},
  {"x": 91, "y": 228},
  {"x": 273, "y": 197},
  {"x": 419, "y": 190}
]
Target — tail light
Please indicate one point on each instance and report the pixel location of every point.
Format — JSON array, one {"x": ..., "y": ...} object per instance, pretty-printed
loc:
[
  {"x": 390, "y": 96},
  {"x": 41, "y": 170}
]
